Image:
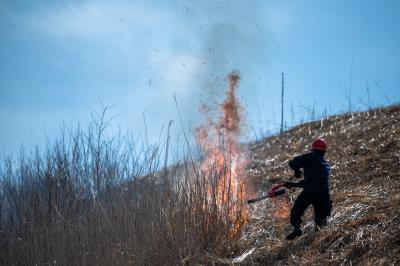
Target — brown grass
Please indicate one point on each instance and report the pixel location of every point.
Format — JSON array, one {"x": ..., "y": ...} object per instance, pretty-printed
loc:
[
  {"x": 91, "y": 200},
  {"x": 364, "y": 227}
]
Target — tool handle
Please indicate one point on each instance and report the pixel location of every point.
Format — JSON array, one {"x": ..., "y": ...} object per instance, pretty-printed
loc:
[
  {"x": 250, "y": 201},
  {"x": 272, "y": 194}
]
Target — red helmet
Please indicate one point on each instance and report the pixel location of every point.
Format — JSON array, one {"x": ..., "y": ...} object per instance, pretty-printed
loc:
[{"x": 318, "y": 144}]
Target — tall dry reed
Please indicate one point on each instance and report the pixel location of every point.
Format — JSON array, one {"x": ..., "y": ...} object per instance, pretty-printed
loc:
[{"x": 88, "y": 199}]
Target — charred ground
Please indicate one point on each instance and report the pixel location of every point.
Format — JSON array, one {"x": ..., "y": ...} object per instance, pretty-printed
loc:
[{"x": 364, "y": 151}]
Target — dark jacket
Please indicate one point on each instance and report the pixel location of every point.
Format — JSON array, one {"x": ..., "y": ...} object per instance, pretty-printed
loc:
[{"x": 316, "y": 169}]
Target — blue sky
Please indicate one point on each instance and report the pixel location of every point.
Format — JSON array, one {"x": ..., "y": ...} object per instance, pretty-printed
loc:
[{"x": 61, "y": 59}]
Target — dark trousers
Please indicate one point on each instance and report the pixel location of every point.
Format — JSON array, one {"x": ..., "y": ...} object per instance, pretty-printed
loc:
[{"x": 319, "y": 197}]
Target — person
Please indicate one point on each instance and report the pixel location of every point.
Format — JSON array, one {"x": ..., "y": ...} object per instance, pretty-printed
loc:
[{"x": 315, "y": 187}]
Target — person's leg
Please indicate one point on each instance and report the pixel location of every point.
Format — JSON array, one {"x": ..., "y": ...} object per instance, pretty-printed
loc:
[
  {"x": 300, "y": 205},
  {"x": 322, "y": 208}
]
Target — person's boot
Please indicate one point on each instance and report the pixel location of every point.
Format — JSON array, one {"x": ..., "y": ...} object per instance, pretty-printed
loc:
[{"x": 296, "y": 232}]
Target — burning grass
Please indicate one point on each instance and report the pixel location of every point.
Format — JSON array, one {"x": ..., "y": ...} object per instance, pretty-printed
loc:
[{"x": 225, "y": 157}]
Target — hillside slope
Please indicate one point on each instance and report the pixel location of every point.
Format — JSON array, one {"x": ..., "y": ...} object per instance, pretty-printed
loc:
[{"x": 364, "y": 151}]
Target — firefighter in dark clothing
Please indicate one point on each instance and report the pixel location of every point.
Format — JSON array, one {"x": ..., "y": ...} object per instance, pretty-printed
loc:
[{"x": 315, "y": 187}]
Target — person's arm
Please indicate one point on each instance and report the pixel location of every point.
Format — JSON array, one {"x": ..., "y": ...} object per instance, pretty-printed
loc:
[{"x": 297, "y": 162}]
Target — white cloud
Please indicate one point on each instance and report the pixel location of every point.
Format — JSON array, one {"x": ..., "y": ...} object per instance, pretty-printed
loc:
[
  {"x": 94, "y": 20},
  {"x": 144, "y": 38}
]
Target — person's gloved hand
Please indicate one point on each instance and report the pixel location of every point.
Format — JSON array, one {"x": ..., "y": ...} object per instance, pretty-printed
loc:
[
  {"x": 288, "y": 184},
  {"x": 297, "y": 174}
]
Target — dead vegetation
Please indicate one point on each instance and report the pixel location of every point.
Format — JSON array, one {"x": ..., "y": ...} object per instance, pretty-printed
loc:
[
  {"x": 364, "y": 150},
  {"x": 92, "y": 200},
  {"x": 89, "y": 200}
]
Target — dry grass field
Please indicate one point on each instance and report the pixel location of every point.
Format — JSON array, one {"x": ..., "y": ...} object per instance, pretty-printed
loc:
[{"x": 91, "y": 200}]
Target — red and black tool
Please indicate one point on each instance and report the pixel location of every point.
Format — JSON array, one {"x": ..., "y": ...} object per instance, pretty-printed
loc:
[{"x": 274, "y": 192}]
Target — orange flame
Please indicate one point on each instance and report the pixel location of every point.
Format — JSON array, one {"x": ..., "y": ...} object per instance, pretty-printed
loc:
[{"x": 224, "y": 159}]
